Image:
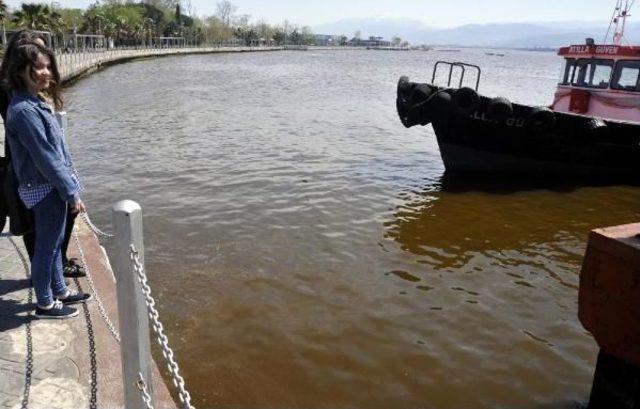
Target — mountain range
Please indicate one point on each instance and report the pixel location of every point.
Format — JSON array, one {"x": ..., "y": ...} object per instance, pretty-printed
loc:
[{"x": 508, "y": 35}]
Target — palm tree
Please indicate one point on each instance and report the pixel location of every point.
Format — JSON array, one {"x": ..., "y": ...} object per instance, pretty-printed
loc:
[
  {"x": 56, "y": 23},
  {"x": 3, "y": 16},
  {"x": 33, "y": 16}
]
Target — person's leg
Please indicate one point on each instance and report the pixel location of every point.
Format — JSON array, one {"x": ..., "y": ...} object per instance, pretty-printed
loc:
[
  {"x": 30, "y": 243},
  {"x": 58, "y": 285},
  {"x": 70, "y": 266},
  {"x": 71, "y": 219},
  {"x": 50, "y": 216},
  {"x": 46, "y": 271}
]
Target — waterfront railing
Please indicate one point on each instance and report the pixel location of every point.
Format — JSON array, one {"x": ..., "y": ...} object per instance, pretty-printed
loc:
[
  {"x": 136, "y": 310},
  {"x": 74, "y": 64}
]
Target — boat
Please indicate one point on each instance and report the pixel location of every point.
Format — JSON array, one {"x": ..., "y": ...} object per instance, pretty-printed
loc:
[{"x": 591, "y": 128}]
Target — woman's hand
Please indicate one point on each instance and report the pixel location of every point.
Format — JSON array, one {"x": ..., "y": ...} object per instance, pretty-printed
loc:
[{"x": 78, "y": 207}]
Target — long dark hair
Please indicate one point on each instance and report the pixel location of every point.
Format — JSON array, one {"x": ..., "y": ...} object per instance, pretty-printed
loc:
[
  {"x": 18, "y": 38},
  {"x": 25, "y": 54}
]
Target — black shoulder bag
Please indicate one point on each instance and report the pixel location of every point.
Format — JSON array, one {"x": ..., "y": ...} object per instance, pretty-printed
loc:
[{"x": 20, "y": 218}]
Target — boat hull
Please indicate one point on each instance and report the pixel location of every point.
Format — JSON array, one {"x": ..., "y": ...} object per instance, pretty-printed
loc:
[{"x": 478, "y": 137}]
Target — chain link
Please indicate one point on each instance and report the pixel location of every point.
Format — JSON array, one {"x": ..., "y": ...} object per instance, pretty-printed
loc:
[
  {"x": 99, "y": 233},
  {"x": 101, "y": 309},
  {"x": 93, "y": 401},
  {"x": 163, "y": 341},
  {"x": 146, "y": 398},
  {"x": 94, "y": 228},
  {"x": 28, "y": 373}
]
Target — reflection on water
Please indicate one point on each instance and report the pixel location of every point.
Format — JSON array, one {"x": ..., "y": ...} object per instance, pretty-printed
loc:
[
  {"x": 527, "y": 231},
  {"x": 461, "y": 217},
  {"x": 307, "y": 251}
]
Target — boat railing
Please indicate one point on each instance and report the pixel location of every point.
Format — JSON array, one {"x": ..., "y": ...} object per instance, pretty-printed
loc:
[{"x": 463, "y": 70}]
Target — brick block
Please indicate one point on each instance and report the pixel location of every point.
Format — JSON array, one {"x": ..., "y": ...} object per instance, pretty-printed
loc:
[{"x": 609, "y": 300}]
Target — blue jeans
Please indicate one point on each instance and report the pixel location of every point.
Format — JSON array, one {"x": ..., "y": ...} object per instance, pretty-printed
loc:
[{"x": 46, "y": 267}]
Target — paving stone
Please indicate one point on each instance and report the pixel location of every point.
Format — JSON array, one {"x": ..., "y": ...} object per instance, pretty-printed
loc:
[{"x": 12, "y": 378}]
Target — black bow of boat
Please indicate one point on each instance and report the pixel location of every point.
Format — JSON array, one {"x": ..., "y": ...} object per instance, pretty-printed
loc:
[{"x": 480, "y": 134}]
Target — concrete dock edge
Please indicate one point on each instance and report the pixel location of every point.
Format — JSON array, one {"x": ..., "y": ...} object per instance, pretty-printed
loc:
[{"x": 62, "y": 364}]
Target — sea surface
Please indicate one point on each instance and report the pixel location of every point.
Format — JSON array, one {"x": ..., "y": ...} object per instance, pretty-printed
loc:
[{"x": 308, "y": 251}]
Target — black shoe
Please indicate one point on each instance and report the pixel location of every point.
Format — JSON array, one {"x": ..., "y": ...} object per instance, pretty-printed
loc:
[
  {"x": 75, "y": 298},
  {"x": 58, "y": 311},
  {"x": 72, "y": 269}
]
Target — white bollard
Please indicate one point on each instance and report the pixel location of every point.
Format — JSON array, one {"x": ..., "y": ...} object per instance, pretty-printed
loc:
[{"x": 132, "y": 310}]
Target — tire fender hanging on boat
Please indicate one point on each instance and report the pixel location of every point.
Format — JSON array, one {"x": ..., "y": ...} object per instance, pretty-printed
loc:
[
  {"x": 466, "y": 101},
  {"x": 403, "y": 101},
  {"x": 541, "y": 119},
  {"x": 596, "y": 128},
  {"x": 415, "y": 102},
  {"x": 500, "y": 108}
]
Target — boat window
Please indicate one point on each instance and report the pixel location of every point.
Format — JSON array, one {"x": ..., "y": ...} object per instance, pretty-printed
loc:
[
  {"x": 626, "y": 76},
  {"x": 566, "y": 71},
  {"x": 592, "y": 73}
]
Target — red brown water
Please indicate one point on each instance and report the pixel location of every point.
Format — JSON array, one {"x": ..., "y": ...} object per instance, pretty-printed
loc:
[{"x": 308, "y": 251}]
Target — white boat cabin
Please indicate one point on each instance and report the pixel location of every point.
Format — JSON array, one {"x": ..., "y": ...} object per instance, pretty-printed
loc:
[{"x": 601, "y": 81}]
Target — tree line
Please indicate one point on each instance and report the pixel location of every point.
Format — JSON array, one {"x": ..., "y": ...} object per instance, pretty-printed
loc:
[{"x": 139, "y": 23}]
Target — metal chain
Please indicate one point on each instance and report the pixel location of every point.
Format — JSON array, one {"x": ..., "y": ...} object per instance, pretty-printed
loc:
[
  {"x": 95, "y": 229},
  {"x": 163, "y": 341},
  {"x": 93, "y": 401},
  {"x": 146, "y": 398},
  {"x": 101, "y": 309},
  {"x": 99, "y": 233},
  {"x": 28, "y": 373}
]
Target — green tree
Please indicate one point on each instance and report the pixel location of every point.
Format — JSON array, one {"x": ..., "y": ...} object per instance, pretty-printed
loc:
[
  {"x": 279, "y": 36},
  {"x": 33, "y": 16},
  {"x": 295, "y": 37},
  {"x": 56, "y": 24},
  {"x": 307, "y": 36},
  {"x": 264, "y": 30},
  {"x": 214, "y": 29},
  {"x": 94, "y": 21},
  {"x": 71, "y": 17},
  {"x": 243, "y": 30},
  {"x": 178, "y": 17},
  {"x": 125, "y": 23}
]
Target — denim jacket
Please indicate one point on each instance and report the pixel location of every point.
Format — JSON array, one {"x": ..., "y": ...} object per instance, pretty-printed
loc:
[{"x": 38, "y": 149}]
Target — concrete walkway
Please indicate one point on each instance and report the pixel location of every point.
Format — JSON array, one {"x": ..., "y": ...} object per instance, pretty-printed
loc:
[{"x": 64, "y": 364}]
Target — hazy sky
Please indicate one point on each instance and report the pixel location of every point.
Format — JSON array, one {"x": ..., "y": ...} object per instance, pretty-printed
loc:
[{"x": 439, "y": 13}]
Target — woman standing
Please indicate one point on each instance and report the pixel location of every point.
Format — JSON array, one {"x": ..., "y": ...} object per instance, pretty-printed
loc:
[
  {"x": 16, "y": 211},
  {"x": 21, "y": 218},
  {"x": 48, "y": 183}
]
